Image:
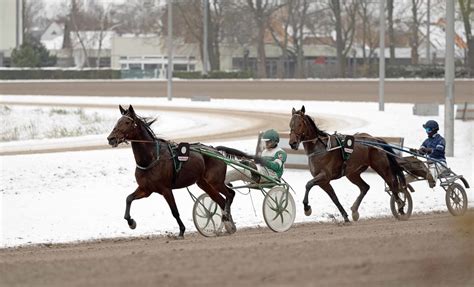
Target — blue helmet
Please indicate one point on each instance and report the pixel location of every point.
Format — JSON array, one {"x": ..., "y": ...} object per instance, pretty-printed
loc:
[{"x": 431, "y": 125}]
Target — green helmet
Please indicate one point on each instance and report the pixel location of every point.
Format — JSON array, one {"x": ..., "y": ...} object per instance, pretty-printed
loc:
[{"x": 271, "y": 135}]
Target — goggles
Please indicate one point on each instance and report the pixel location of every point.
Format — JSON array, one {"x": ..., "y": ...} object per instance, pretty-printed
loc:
[{"x": 428, "y": 130}]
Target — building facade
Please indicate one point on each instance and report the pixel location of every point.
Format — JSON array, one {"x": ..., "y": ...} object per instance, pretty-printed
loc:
[
  {"x": 11, "y": 29},
  {"x": 147, "y": 56}
]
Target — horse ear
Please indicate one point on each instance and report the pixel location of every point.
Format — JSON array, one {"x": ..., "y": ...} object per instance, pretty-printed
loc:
[
  {"x": 303, "y": 109},
  {"x": 293, "y": 111},
  {"x": 130, "y": 109},
  {"x": 122, "y": 110}
]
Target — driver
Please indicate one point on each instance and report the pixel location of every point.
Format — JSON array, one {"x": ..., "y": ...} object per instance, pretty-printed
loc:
[
  {"x": 434, "y": 148},
  {"x": 270, "y": 163},
  {"x": 434, "y": 145}
]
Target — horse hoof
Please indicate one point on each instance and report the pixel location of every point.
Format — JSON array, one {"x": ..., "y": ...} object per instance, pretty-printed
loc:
[
  {"x": 308, "y": 211},
  {"x": 132, "y": 224},
  {"x": 230, "y": 227},
  {"x": 355, "y": 215}
]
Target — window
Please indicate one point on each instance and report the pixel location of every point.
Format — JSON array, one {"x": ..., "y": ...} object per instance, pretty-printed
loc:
[
  {"x": 135, "y": 66},
  {"x": 180, "y": 67},
  {"x": 151, "y": 66}
]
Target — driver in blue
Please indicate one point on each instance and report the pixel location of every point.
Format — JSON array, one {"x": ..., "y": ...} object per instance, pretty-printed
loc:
[
  {"x": 433, "y": 148},
  {"x": 434, "y": 145}
]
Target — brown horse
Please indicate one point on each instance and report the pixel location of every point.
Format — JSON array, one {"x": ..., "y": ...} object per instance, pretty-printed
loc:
[
  {"x": 328, "y": 164},
  {"x": 155, "y": 171}
]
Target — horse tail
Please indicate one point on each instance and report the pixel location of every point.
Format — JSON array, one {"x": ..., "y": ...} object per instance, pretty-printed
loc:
[
  {"x": 394, "y": 166},
  {"x": 232, "y": 152}
]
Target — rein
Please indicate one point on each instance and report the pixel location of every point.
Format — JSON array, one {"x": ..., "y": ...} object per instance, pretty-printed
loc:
[
  {"x": 153, "y": 163},
  {"x": 318, "y": 138}
]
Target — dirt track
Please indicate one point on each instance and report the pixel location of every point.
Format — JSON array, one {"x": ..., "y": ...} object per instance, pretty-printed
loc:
[{"x": 427, "y": 250}]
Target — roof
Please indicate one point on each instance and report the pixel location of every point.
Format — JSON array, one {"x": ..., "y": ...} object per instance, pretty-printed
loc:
[{"x": 89, "y": 38}]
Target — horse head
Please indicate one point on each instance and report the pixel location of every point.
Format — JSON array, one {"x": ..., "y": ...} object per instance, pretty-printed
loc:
[
  {"x": 125, "y": 128},
  {"x": 298, "y": 127}
]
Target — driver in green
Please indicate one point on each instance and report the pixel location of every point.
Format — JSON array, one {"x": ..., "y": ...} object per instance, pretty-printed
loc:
[{"x": 270, "y": 162}]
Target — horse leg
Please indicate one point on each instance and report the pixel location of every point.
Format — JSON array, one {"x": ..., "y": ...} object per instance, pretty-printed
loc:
[
  {"x": 386, "y": 173},
  {"x": 137, "y": 194},
  {"x": 315, "y": 181},
  {"x": 364, "y": 187},
  {"x": 229, "y": 197},
  {"x": 330, "y": 191},
  {"x": 168, "y": 195}
]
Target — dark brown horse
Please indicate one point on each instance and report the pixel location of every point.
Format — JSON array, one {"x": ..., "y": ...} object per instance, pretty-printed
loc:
[
  {"x": 328, "y": 164},
  {"x": 155, "y": 171}
]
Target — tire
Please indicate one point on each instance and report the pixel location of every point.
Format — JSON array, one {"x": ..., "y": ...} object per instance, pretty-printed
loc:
[
  {"x": 456, "y": 199},
  {"x": 279, "y": 209},
  {"x": 207, "y": 216},
  {"x": 405, "y": 196}
]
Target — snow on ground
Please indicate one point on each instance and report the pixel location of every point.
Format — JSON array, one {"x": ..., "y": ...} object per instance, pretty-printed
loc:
[{"x": 70, "y": 196}]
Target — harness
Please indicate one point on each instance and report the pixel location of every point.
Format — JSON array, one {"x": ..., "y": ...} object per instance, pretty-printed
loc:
[
  {"x": 177, "y": 157},
  {"x": 177, "y": 164},
  {"x": 344, "y": 142},
  {"x": 155, "y": 162}
]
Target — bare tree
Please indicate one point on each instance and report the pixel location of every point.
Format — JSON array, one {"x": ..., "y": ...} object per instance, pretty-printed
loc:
[
  {"x": 344, "y": 18},
  {"x": 298, "y": 20},
  {"x": 417, "y": 15},
  {"x": 137, "y": 17},
  {"x": 32, "y": 17},
  {"x": 290, "y": 16},
  {"x": 391, "y": 32},
  {"x": 280, "y": 34},
  {"x": 192, "y": 19},
  {"x": 75, "y": 16},
  {"x": 467, "y": 8},
  {"x": 369, "y": 37},
  {"x": 261, "y": 11},
  {"x": 103, "y": 16}
]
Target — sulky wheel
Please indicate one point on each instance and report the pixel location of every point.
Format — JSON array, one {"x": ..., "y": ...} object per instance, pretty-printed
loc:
[
  {"x": 405, "y": 197},
  {"x": 279, "y": 210},
  {"x": 456, "y": 199},
  {"x": 207, "y": 216}
]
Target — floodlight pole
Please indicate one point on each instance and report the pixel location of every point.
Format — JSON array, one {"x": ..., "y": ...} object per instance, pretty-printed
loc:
[
  {"x": 205, "y": 53},
  {"x": 449, "y": 80},
  {"x": 382, "y": 56},
  {"x": 170, "y": 50},
  {"x": 428, "y": 40}
]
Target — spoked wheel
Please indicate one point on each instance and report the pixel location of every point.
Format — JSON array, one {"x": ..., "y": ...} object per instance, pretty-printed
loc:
[
  {"x": 405, "y": 197},
  {"x": 456, "y": 199},
  {"x": 207, "y": 216},
  {"x": 279, "y": 210}
]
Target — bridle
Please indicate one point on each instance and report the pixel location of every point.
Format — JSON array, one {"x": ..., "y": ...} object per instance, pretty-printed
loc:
[
  {"x": 302, "y": 135},
  {"x": 125, "y": 140},
  {"x": 135, "y": 125},
  {"x": 315, "y": 140}
]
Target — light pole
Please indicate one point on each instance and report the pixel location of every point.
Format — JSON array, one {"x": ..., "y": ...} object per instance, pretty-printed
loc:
[
  {"x": 449, "y": 80},
  {"x": 170, "y": 50},
  {"x": 205, "y": 54},
  {"x": 428, "y": 41},
  {"x": 382, "y": 56}
]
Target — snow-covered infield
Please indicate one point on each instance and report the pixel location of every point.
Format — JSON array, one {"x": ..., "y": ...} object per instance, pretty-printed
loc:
[{"x": 72, "y": 196}]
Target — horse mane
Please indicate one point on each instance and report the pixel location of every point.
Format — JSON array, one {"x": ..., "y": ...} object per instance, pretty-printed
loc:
[
  {"x": 147, "y": 122},
  {"x": 313, "y": 125}
]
